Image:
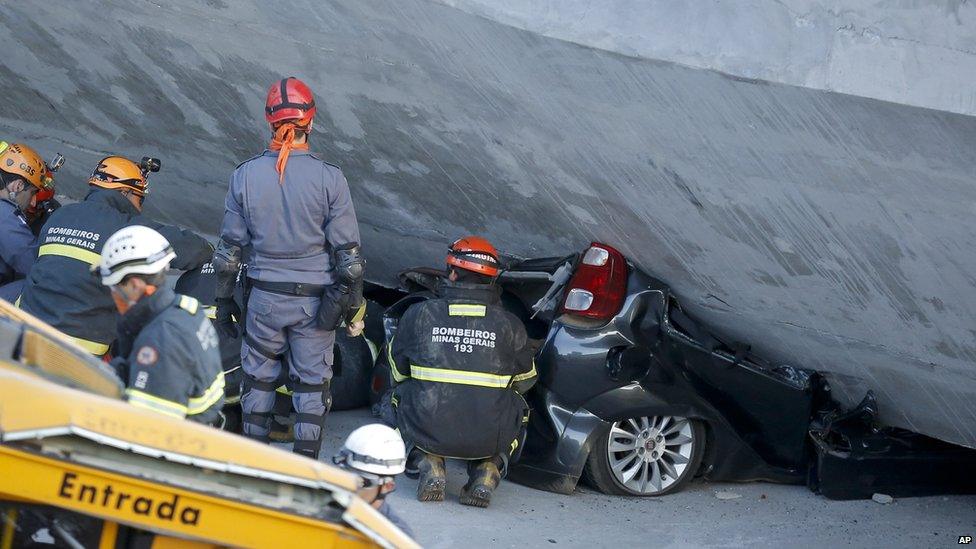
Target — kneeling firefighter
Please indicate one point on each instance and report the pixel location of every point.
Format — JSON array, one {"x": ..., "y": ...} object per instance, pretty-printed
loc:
[
  {"x": 60, "y": 289},
  {"x": 461, "y": 362},
  {"x": 167, "y": 353},
  {"x": 305, "y": 270}
]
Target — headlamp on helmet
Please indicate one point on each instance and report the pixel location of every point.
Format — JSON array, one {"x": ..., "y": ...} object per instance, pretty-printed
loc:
[
  {"x": 116, "y": 172},
  {"x": 22, "y": 162}
]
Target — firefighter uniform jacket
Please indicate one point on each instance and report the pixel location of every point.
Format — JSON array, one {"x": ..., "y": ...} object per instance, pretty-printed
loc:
[
  {"x": 61, "y": 289},
  {"x": 169, "y": 357},
  {"x": 18, "y": 248},
  {"x": 201, "y": 284},
  {"x": 292, "y": 226},
  {"x": 461, "y": 361}
]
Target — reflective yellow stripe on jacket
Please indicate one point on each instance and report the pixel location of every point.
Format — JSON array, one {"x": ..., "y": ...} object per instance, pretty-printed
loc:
[
  {"x": 397, "y": 376},
  {"x": 73, "y": 252},
  {"x": 196, "y": 405},
  {"x": 200, "y": 404},
  {"x": 527, "y": 375},
  {"x": 93, "y": 347},
  {"x": 156, "y": 404},
  {"x": 189, "y": 304},
  {"x": 463, "y": 309},
  {"x": 461, "y": 377}
]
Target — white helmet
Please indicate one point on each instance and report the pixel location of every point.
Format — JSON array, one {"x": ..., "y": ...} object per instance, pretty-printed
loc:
[
  {"x": 134, "y": 250},
  {"x": 375, "y": 449}
]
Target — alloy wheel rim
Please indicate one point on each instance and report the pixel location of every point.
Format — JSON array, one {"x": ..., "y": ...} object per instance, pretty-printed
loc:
[{"x": 650, "y": 453}]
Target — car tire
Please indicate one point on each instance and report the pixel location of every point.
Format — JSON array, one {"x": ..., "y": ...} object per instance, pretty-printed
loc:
[
  {"x": 628, "y": 460},
  {"x": 350, "y": 389},
  {"x": 232, "y": 419}
]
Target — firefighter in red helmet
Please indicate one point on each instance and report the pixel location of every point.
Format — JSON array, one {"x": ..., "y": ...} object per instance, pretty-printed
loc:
[
  {"x": 305, "y": 272},
  {"x": 463, "y": 352}
]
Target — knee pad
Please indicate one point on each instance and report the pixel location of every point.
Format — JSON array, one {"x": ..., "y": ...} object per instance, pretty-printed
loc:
[
  {"x": 262, "y": 419},
  {"x": 307, "y": 447}
]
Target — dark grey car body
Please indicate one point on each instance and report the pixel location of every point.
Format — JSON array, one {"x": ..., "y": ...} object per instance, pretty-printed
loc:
[{"x": 649, "y": 359}]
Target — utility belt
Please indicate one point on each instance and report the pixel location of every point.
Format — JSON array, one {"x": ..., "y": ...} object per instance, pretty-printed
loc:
[{"x": 299, "y": 289}]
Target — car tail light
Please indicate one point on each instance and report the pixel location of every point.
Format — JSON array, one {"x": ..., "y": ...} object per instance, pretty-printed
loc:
[{"x": 598, "y": 286}]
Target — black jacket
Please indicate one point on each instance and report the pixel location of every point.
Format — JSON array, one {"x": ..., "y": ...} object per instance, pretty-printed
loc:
[
  {"x": 61, "y": 289},
  {"x": 201, "y": 284},
  {"x": 168, "y": 356},
  {"x": 461, "y": 361}
]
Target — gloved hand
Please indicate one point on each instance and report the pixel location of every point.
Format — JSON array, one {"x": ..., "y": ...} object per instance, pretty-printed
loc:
[
  {"x": 355, "y": 329},
  {"x": 335, "y": 302},
  {"x": 227, "y": 312}
]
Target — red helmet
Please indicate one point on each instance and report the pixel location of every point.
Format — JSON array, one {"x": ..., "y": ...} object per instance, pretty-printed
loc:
[
  {"x": 289, "y": 99},
  {"x": 474, "y": 254}
]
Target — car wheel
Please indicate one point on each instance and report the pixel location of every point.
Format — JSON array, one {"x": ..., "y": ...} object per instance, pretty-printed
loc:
[
  {"x": 232, "y": 418},
  {"x": 350, "y": 389},
  {"x": 647, "y": 455}
]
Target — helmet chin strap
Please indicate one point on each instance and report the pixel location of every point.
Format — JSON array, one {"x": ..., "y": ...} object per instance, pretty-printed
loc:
[
  {"x": 5, "y": 181},
  {"x": 12, "y": 195}
]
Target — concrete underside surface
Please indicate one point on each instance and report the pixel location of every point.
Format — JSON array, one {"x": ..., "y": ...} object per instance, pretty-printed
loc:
[
  {"x": 829, "y": 231},
  {"x": 766, "y": 515}
]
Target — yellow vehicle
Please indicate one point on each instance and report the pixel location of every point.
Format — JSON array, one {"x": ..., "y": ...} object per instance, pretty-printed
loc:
[{"x": 82, "y": 468}]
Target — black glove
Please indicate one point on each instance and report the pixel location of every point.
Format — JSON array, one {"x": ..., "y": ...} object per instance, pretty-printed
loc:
[
  {"x": 335, "y": 302},
  {"x": 227, "y": 312}
]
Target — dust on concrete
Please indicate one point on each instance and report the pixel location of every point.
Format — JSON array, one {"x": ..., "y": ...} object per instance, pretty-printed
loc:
[{"x": 766, "y": 515}]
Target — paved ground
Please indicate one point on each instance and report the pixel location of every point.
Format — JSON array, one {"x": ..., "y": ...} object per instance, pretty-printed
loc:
[{"x": 766, "y": 515}]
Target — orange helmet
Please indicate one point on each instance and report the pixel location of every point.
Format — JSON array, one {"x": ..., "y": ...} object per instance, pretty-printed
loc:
[
  {"x": 23, "y": 162},
  {"x": 475, "y": 254},
  {"x": 115, "y": 172},
  {"x": 289, "y": 99}
]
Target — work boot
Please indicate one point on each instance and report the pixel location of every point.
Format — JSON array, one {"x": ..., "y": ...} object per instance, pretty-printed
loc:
[
  {"x": 412, "y": 468},
  {"x": 282, "y": 430},
  {"x": 433, "y": 478},
  {"x": 483, "y": 478}
]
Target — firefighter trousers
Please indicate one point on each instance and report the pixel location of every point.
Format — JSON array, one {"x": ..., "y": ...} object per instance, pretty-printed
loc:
[{"x": 284, "y": 327}]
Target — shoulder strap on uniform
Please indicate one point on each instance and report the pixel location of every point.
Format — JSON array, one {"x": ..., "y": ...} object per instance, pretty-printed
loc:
[
  {"x": 313, "y": 155},
  {"x": 188, "y": 304},
  {"x": 250, "y": 159}
]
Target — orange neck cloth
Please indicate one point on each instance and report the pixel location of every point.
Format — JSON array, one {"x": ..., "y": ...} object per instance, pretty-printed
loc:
[{"x": 284, "y": 142}]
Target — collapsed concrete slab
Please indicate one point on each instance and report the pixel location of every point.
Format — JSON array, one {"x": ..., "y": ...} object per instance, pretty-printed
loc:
[{"x": 828, "y": 231}]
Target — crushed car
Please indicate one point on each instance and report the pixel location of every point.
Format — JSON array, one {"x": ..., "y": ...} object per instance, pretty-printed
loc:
[{"x": 639, "y": 398}]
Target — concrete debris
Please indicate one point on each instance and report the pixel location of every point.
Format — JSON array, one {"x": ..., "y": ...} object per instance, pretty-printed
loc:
[
  {"x": 883, "y": 499},
  {"x": 726, "y": 495}
]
